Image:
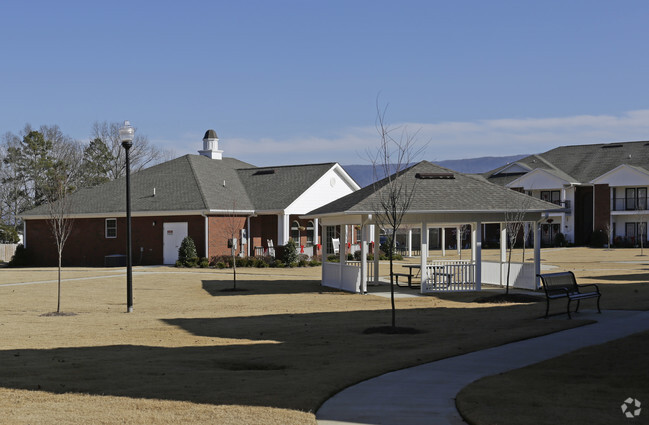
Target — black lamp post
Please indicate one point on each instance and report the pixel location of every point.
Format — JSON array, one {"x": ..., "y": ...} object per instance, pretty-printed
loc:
[{"x": 126, "y": 136}]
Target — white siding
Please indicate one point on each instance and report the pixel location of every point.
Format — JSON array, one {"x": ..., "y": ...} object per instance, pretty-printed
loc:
[{"x": 331, "y": 186}]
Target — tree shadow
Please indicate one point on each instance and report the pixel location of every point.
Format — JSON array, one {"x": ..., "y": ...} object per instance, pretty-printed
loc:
[
  {"x": 264, "y": 287},
  {"x": 293, "y": 361},
  {"x": 638, "y": 277}
]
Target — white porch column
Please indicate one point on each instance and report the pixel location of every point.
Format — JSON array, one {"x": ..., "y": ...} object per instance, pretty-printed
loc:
[
  {"x": 424, "y": 254},
  {"x": 283, "y": 227},
  {"x": 409, "y": 242},
  {"x": 364, "y": 237},
  {"x": 477, "y": 237},
  {"x": 474, "y": 242},
  {"x": 503, "y": 252},
  {"x": 537, "y": 253},
  {"x": 377, "y": 240},
  {"x": 316, "y": 235},
  {"x": 342, "y": 252},
  {"x": 443, "y": 230},
  {"x": 458, "y": 239},
  {"x": 249, "y": 236}
]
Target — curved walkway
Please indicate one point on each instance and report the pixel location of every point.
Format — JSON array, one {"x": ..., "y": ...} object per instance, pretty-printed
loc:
[{"x": 426, "y": 394}]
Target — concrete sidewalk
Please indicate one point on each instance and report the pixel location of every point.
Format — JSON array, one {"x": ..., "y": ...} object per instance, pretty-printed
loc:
[{"x": 426, "y": 394}]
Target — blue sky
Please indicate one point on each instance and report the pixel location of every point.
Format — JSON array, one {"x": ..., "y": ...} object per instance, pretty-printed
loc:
[{"x": 287, "y": 82}]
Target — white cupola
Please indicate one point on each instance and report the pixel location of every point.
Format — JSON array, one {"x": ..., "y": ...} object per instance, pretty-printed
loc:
[{"x": 211, "y": 145}]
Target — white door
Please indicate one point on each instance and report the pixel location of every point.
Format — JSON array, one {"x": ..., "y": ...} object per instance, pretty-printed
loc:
[{"x": 173, "y": 236}]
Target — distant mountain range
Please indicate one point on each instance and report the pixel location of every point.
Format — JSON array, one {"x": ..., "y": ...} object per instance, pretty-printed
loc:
[{"x": 363, "y": 174}]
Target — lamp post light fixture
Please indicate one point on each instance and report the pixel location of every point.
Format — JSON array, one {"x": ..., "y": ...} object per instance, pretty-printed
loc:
[{"x": 126, "y": 136}]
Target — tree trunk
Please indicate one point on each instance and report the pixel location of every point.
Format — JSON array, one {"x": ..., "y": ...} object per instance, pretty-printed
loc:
[
  {"x": 58, "y": 303},
  {"x": 234, "y": 266},
  {"x": 394, "y": 310}
]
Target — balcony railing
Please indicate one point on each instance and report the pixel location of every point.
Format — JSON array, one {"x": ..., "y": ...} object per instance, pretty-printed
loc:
[{"x": 629, "y": 204}]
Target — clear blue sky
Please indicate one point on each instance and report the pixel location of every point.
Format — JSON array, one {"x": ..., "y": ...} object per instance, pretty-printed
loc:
[{"x": 286, "y": 82}]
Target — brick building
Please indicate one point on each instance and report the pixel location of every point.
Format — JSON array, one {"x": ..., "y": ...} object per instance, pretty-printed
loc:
[
  {"x": 603, "y": 187},
  {"x": 208, "y": 197}
]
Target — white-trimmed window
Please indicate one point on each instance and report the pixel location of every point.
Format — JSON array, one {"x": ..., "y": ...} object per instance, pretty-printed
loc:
[
  {"x": 111, "y": 228},
  {"x": 310, "y": 233}
]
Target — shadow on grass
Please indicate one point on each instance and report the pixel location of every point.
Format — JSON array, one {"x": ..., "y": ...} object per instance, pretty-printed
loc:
[
  {"x": 638, "y": 277},
  {"x": 220, "y": 288},
  {"x": 293, "y": 361}
]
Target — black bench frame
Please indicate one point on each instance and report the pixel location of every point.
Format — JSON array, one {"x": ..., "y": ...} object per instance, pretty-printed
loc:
[
  {"x": 564, "y": 285},
  {"x": 396, "y": 278}
]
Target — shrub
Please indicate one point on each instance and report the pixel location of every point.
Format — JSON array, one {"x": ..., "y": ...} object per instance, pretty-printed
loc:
[
  {"x": 598, "y": 239},
  {"x": 302, "y": 262},
  {"x": 187, "y": 254},
  {"x": 314, "y": 263},
  {"x": 289, "y": 254},
  {"x": 8, "y": 234},
  {"x": 23, "y": 257},
  {"x": 204, "y": 263},
  {"x": 350, "y": 256},
  {"x": 559, "y": 239},
  {"x": 220, "y": 265},
  {"x": 333, "y": 258},
  {"x": 278, "y": 264}
]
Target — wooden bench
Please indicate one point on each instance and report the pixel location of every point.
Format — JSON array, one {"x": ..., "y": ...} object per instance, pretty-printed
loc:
[{"x": 564, "y": 285}]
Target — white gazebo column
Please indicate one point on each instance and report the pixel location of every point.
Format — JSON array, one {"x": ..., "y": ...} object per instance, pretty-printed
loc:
[
  {"x": 424, "y": 255},
  {"x": 364, "y": 237},
  {"x": 458, "y": 239},
  {"x": 342, "y": 253},
  {"x": 503, "y": 252},
  {"x": 377, "y": 240},
  {"x": 443, "y": 230},
  {"x": 537, "y": 254},
  {"x": 477, "y": 237},
  {"x": 474, "y": 242},
  {"x": 410, "y": 242}
]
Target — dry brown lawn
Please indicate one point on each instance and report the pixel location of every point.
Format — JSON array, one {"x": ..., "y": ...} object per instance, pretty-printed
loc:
[{"x": 192, "y": 352}]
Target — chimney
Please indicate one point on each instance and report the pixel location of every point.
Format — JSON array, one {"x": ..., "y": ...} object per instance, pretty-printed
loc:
[{"x": 211, "y": 146}]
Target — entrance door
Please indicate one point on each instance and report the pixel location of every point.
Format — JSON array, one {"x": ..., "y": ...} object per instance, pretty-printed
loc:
[{"x": 173, "y": 236}]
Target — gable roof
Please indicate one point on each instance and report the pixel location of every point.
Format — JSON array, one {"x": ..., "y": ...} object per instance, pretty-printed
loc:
[
  {"x": 581, "y": 163},
  {"x": 196, "y": 184},
  {"x": 462, "y": 193},
  {"x": 275, "y": 188}
]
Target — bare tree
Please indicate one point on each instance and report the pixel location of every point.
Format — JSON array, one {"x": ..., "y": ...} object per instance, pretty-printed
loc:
[
  {"x": 514, "y": 216},
  {"x": 61, "y": 180},
  {"x": 231, "y": 225},
  {"x": 142, "y": 154},
  {"x": 608, "y": 230},
  {"x": 395, "y": 153}
]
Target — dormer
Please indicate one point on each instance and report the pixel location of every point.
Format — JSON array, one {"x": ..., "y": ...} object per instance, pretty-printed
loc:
[{"x": 211, "y": 146}]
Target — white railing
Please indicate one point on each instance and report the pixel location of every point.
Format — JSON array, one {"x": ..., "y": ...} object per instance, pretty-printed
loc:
[
  {"x": 345, "y": 277},
  {"x": 521, "y": 275},
  {"x": 370, "y": 268},
  {"x": 449, "y": 276}
]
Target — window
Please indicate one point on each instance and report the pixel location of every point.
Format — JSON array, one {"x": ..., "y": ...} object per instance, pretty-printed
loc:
[
  {"x": 111, "y": 227},
  {"x": 295, "y": 232},
  {"x": 553, "y": 196},
  {"x": 630, "y": 198},
  {"x": 310, "y": 233},
  {"x": 642, "y": 198}
]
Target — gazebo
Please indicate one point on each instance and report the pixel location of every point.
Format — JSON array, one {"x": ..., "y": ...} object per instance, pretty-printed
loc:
[{"x": 442, "y": 198}]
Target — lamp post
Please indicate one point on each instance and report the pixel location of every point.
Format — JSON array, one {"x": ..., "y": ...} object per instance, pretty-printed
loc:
[{"x": 126, "y": 136}]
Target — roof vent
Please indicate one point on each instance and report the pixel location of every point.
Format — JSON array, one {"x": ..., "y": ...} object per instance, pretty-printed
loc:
[
  {"x": 435, "y": 176},
  {"x": 611, "y": 146},
  {"x": 263, "y": 172}
]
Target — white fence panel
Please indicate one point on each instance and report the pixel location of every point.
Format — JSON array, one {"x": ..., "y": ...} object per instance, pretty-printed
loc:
[
  {"x": 449, "y": 276},
  {"x": 7, "y": 251},
  {"x": 522, "y": 275}
]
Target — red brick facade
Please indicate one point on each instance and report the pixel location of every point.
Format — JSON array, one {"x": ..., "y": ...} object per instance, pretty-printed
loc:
[
  {"x": 88, "y": 244},
  {"x": 602, "y": 203}
]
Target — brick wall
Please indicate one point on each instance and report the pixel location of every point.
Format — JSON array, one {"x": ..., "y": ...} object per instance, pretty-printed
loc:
[
  {"x": 88, "y": 245},
  {"x": 220, "y": 230},
  {"x": 602, "y": 205}
]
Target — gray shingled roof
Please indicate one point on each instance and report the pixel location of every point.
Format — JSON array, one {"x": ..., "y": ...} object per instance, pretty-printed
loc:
[
  {"x": 275, "y": 188},
  {"x": 464, "y": 192},
  {"x": 198, "y": 183},
  {"x": 581, "y": 163}
]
